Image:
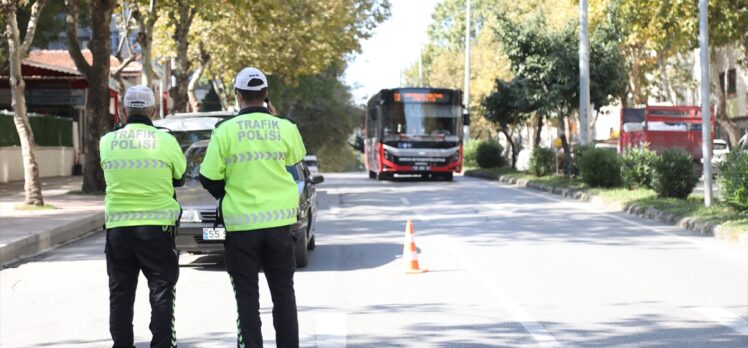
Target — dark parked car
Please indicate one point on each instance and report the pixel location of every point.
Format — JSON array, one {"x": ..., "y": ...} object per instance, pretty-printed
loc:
[{"x": 196, "y": 234}]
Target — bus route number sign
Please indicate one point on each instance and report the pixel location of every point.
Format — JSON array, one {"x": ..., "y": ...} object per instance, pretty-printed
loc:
[{"x": 421, "y": 97}]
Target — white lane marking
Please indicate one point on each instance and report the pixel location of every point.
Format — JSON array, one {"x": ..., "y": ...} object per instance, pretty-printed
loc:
[
  {"x": 404, "y": 200},
  {"x": 501, "y": 297},
  {"x": 691, "y": 240},
  {"x": 332, "y": 330},
  {"x": 725, "y": 318}
]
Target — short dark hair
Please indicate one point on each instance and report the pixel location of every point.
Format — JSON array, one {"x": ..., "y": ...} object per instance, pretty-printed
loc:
[{"x": 253, "y": 96}]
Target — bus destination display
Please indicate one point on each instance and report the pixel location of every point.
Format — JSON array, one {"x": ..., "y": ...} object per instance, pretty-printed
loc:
[{"x": 421, "y": 97}]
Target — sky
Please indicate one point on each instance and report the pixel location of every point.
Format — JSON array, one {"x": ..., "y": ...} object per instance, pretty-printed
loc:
[{"x": 395, "y": 45}]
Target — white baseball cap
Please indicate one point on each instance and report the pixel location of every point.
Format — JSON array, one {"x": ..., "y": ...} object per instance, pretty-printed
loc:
[
  {"x": 139, "y": 97},
  {"x": 250, "y": 79}
]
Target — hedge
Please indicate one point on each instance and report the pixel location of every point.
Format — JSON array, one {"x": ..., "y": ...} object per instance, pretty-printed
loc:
[{"x": 48, "y": 130}]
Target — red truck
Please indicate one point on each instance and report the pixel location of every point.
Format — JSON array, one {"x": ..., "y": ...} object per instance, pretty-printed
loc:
[{"x": 663, "y": 127}]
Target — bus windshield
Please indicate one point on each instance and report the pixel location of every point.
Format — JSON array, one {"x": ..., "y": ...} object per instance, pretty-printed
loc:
[{"x": 418, "y": 120}]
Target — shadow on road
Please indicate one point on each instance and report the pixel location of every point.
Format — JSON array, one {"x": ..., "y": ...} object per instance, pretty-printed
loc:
[{"x": 359, "y": 256}]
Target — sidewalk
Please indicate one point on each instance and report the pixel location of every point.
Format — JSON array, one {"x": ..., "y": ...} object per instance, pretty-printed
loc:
[{"x": 24, "y": 233}]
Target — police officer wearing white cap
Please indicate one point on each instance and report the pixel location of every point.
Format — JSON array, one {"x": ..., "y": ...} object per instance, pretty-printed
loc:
[
  {"x": 142, "y": 165},
  {"x": 245, "y": 168}
]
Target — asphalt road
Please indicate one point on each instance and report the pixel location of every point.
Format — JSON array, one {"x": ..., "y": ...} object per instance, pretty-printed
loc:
[{"x": 508, "y": 267}]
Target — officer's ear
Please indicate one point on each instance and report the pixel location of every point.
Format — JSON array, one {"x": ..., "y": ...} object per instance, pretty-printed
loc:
[{"x": 238, "y": 97}]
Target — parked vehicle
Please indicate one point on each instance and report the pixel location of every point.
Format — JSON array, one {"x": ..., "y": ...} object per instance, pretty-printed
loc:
[
  {"x": 743, "y": 143},
  {"x": 199, "y": 209},
  {"x": 720, "y": 149},
  {"x": 312, "y": 163},
  {"x": 663, "y": 127},
  {"x": 194, "y": 126}
]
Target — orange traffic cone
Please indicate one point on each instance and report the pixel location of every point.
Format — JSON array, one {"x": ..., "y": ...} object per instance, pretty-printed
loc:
[{"x": 410, "y": 252}]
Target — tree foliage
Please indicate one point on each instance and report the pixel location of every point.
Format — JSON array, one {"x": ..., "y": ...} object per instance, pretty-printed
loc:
[
  {"x": 289, "y": 39},
  {"x": 506, "y": 107},
  {"x": 320, "y": 105}
]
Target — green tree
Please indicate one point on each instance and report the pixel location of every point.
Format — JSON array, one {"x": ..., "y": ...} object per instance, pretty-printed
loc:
[
  {"x": 533, "y": 58},
  {"x": 547, "y": 61},
  {"x": 98, "y": 120},
  {"x": 321, "y": 107},
  {"x": 17, "y": 50},
  {"x": 669, "y": 29},
  {"x": 443, "y": 55},
  {"x": 49, "y": 26},
  {"x": 504, "y": 107},
  {"x": 289, "y": 39}
]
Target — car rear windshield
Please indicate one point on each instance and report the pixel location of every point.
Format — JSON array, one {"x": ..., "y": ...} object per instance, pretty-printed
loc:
[
  {"x": 195, "y": 156},
  {"x": 187, "y": 138},
  {"x": 720, "y": 146}
]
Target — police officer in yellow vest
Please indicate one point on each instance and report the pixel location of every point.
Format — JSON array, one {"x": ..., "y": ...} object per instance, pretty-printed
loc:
[
  {"x": 245, "y": 167},
  {"x": 142, "y": 165}
]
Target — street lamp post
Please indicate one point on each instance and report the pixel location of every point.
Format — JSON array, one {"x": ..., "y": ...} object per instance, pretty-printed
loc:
[
  {"x": 584, "y": 72},
  {"x": 466, "y": 99},
  {"x": 706, "y": 122}
]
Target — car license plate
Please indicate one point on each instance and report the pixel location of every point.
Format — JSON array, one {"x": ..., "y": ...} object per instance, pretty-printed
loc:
[{"x": 210, "y": 233}]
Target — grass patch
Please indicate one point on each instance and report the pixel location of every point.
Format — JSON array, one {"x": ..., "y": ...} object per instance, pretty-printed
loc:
[
  {"x": 35, "y": 207},
  {"x": 733, "y": 221},
  {"x": 729, "y": 220}
]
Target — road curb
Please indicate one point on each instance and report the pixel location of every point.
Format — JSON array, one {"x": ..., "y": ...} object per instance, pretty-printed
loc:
[
  {"x": 44, "y": 241},
  {"x": 702, "y": 227}
]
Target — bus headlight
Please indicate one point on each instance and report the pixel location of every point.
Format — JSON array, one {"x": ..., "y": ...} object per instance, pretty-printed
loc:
[
  {"x": 388, "y": 156},
  {"x": 190, "y": 216}
]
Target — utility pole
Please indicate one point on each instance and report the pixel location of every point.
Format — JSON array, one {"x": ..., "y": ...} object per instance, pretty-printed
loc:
[
  {"x": 584, "y": 72},
  {"x": 706, "y": 119},
  {"x": 466, "y": 99}
]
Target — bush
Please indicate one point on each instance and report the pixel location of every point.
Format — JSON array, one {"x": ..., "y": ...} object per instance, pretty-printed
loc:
[
  {"x": 488, "y": 154},
  {"x": 675, "y": 174},
  {"x": 599, "y": 167},
  {"x": 637, "y": 166},
  {"x": 542, "y": 161},
  {"x": 577, "y": 155},
  {"x": 468, "y": 154},
  {"x": 733, "y": 180}
]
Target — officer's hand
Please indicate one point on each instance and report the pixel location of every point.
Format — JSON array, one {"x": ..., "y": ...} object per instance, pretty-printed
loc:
[{"x": 271, "y": 108}]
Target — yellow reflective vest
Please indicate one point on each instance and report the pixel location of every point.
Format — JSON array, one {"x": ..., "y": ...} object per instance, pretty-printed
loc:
[
  {"x": 139, "y": 163},
  {"x": 250, "y": 153}
]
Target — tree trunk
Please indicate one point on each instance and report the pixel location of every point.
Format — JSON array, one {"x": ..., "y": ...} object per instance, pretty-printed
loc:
[
  {"x": 634, "y": 80},
  {"x": 146, "y": 44},
  {"x": 729, "y": 125},
  {"x": 511, "y": 143},
  {"x": 182, "y": 21},
  {"x": 194, "y": 102},
  {"x": 221, "y": 91},
  {"x": 667, "y": 91},
  {"x": 564, "y": 144},
  {"x": 145, "y": 39},
  {"x": 538, "y": 129},
  {"x": 32, "y": 183},
  {"x": 121, "y": 81},
  {"x": 204, "y": 61},
  {"x": 98, "y": 120}
]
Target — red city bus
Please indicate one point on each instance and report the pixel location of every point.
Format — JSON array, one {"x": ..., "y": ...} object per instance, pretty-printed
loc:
[{"x": 414, "y": 131}]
